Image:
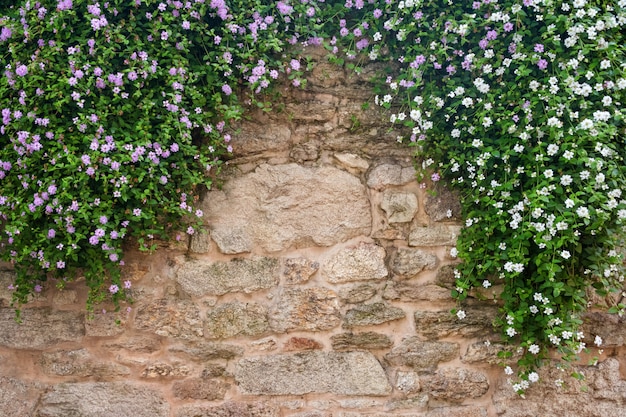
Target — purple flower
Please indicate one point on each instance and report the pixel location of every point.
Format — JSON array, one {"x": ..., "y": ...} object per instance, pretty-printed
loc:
[
  {"x": 542, "y": 64},
  {"x": 51, "y": 233},
  {"x": 103, "y": 220},
  {"x": 113, "y": 289},
  {"x": 5, "y": 34},
  {"x": 508, "y": 26},
  {"x": 435, "y": 177},
  {"x": 378, "y": 13},
  {"x": 21, "y": 70},
  {"x": 38, "y": 288},
  {"x": 94, "y": 240},
  {"x": 186, "y": 25},
  {"x": 113, "y": 257},
  {"x": 137, "y": 212},
  {"x": 295, "y": 64},
  {"x": 538, "y": 47},
  {"x": 60, "y": 264},
  {"x": 127, "y": 284},
  {"x": 227, "y": 90}
]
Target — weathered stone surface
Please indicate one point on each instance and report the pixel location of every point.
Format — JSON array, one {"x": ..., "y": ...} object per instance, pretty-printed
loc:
[
  {"x": 7, "y": 277},
  {"x": 610, "y": 327},
  {"x": 386, "y": 174},
  {"x": 443, "y": 205},
  {"x": 101, "y": 399},
  {"x": 307, "y": 151},
  {"x": 363, "y": 262},
  {"x": 276, "y": 207},
  {"x": 60, "y": 326},
  {"x": 350, "y": 160},
  {"x": 399, "y": 206},
  {"x": 205, "y": 351},
  {"x": 238, "y": 275},
  {"x": 357, "y": 293},
  {"x": 481, "y": 352},
  {"x": 360, "y": 403},
  {"x": 437, "y": 324},
  {"x": 445, "y": 276},
  {"x": 109, "y": 324},
  {"x": 434, "y": 235},
  {"x": 65, "y": 297},
  {"x": 200, "y": 242},
  {"x": 305, "y": 309},
  {"x": 80, "y": 363},
  {"x": 230, "y": 409},
  {"x": 409, "y": 261},
  {"x": 601, "y": 394},
  {"x": 18, "y": 398},
  {"x": 200, "y": 389},
  {"x": 418, "y": 402},
  {"x": 302, "y": 343},
  {"x": 412, "y": 292},
  {"x": 179, "y": 319},
  {"x": 456, "y": 384},
  {"x": 366, "y": 340},
  {"x": 299, "y": 270},
  {"x": 468, "y": 411},
  {"x": 236, "y": 319},
  {"x": 138, "y": 344},
  {"x": 165, "y": 370},
  {"x": 422, "y": 355},
  {"x": 408, "y": 382},
  {"x": 370, "y": 314},
  {"x": 250, "y": 139},
  {"x": 213, "y": 370},
  {"x": 344, "y": 373}
]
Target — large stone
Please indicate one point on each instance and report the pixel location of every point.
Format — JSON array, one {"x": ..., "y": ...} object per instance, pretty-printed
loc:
[
  {"x": 299, "y": 270},
  {"x": 19, "y": 398},
  {"x": 238, "y": 275},
  {"x": 409, "y": 262},
  {"x": 40, "y": 328},
  {"x": 138, "y": 344},
  {"x": 434, "y": 235},
  {"x": 456, "y": 384},
  {"x": 110, "y": 324},
  {"x": 363, "y": 262},
  {"x": 443, "y": 205},
  {"x": 200, "y": 389},
  {"x": 366, "y": 340},
  {"x": 230, "y": 409},
  {"x": 601, "y": 394},
  {"x": 404, "y": 291},
  {"x": 202, "y": 351},
  {"x": 399, "y": 206},
  {"x": 301, "y": 344},
  {"x": 80, "y": 363},
  {"x": 354, "y": 294},
  {"x": 371, "y": 314},
  {"x": 311, "y": 309},
  {"x": 610, "y": 327},
  {"x": 422, "y": 355},
  {"x": 102, "y": 399},
  {"x": 277, "y": 207},
  {"x": 236, "y": 319},
  {"x": 487, "y": 353},
  {"x": 467, "y": 411},
  {"x": 179, "y": 319},
  {"x": 389, "y": 173},
  {"x": 250, "y": 139},
  {"x": 437, "y": 324},
  {"x": 165, "y": 370},
  {"x": 343, "y": 373}
]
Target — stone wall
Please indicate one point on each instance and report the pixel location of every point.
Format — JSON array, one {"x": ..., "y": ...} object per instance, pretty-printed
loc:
[{"x": 320, "y": 288}]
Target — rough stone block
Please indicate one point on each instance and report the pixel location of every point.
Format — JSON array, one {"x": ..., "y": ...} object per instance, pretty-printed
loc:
[
  {"x": 363, "y": 262},
  {"x": 385, "y": 174},
  {"x": 371, "y": 314},
  {"x": 102, "y": 399},
  {"x": 299, "y": 270},
  {"x": 487, "y": 353},
  {"x": 202, "y": 351},
  {"x": 411, "y": 292},
  {"x": 110, "y": 324},
  {"x": 80, "y": 363},
  {"x": 230, "y": 409},
  {"x": 354, "y": 294},
  {"x": 60, "y": 326},
  {"x": 179, "y": 319},
  {"x": 437, "y": 324},
  {"x": 311, "y": 309},
  {"x": 408, "y": 382},
  {"x": 366, "y": 340},
  {"x": 610, "y": 327},
  {"x": 238, "y": 275},
  {"x": 138, "y": 344},
  {"x": 165, "y": 370},
  {"x": 434, "y": 236},
  {"x": 19, "y": 398},
  {"x": 349, "y": 373},
  {"x": 236, "y": 319},
  {"x": 281, "y": 206},
  {"x": 409, "y": 262},
  {"x": 456, "y": 384},
  {"x": 301, "y": 343},
  {"x": 200, "y": 389},
  {"x": 422, "y": 355},
  {"x": 444, "y": 205},
  {"x": 399, "y": 206}
]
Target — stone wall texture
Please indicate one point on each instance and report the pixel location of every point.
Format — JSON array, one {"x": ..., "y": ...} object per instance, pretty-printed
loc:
[{"x": 319, "y": 288}]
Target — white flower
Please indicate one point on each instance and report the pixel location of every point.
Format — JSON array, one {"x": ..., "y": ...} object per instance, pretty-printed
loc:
[
  {"x": 508, "y": 370},
  {"x": 583, "y": 212},
  {"x": 460, "y": 314},
  {"x": 586, "y": 124},
  {"x": 566, "y": 180},
  {"x": 606, "y": 100},
  {"x": 533, "y": 377},
  {"x": 510, "y": 331},
  {"x": 598, "y": 341},
  {"x": 552, "y": 148},
  {"x": 377, "y": 36},
  {"x": 534, "y": 349},
  {"x": 477, "y": 143},
  {"x": 569, "y": 203},
  {"x": 487, "y": 121},
  {"x": 568, "y": 155},
  {"x": 486, "y": 283},
  {"x": 533, "y": 309},
  {"x": 454, "y": 252},
  {"x": 565, "y": 254},
  {"x": 605, "y": 63},
  {"x": 548, "y": 173}
]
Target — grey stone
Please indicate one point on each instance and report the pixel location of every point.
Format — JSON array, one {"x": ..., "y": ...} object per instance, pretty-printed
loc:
[
  {"x": 443, "y": 205},
  {"x": 456, "y": 384},
  {"x": 238, "y": 275},
  {"x": 410, "y": 262},
  {"x": 445, "y": 276},
  {"x": 60, "y": 326},
  {"x": 299, "y": 270},
  {"x": 371, "y": 314},
  {"x": 179, "y": 319},
  {"x": 399, "y": 206},
  {"x": 200, "y": 242},
  {"x": 418, "y": 402},
  {"x": 466, "y": 411},
  {"x": 437, "y": 324},
  {"x": 354, "y": 294},
  {"x": 312, "y": 309},
  {"x": 213, "y": 370},
  {"x": 404, "y": 291},
  {"x": 343, "y": 373},
  {"x": 408, "y": 382},
  {"x": 434, "y": 235},
  {"x": 102, "y": 399},
  {"x": 350, "y": 160},
  {"x": 230, "y": 409},
  {"x": 17, "y": 397},
  {"x": 610, "y": 327},
  {"x": 7, "y": 277},
  {"x": 80, "y": 363},
  {"x": 363, "y": 262},
  {"x": 365, "y": 340},
  {"x": 487, "y": 353},
  {"x": 200, "y": 389},
  {"x": 250, "y": 139},
  {"x": 278, "y": 207},
  {"x": 139, "y": 344},
  {"x": 360, "y": 403},
  {"x": 386, "y": 174},
  {"x": 202, "y": 351},
  {"x": 236, "y": 319},
  {"x": 422, "y": 355},
  {"x": 110, "y": 324},
  {"x": 308, "y": 151},
  {"x": 165, "y": 370}
]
